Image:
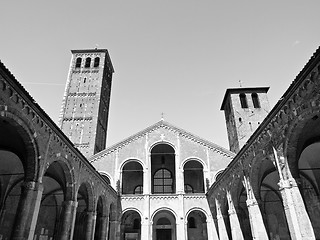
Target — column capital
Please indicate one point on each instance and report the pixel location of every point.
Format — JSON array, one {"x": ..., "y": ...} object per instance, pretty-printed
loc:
[
  {"x": 31, "y": 185},
  {"x": 232, "y": 211},
  {"x": 251, "y": 202},
  {"x": 287, "y": 183}
]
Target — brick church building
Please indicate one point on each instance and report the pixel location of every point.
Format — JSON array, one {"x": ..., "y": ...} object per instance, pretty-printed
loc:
[{"x": 162, "y": 183}]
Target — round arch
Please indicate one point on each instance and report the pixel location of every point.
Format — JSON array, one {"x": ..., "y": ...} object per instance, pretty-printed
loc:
[
  {"x": 132, "y": 178},
  {"x": 57, "y": 188},
  {"x": 132, "y": 209},
  {"x": 128, "y": 160},
  {"x": 64, "y": 172},
  {"x": 164, "y": 209},
  {"x": 164, "y": 224},
  {"x": 218, "y": 173},
  {"x": 22, "y": 134},
  {"x": 196, "y": 209},
  {"x": 160, "y": 142},
  {"x": 130, "y": 225},
  {"x": 302, "y": 129},
  {"x": 193, "y": 176},
  {"x": 87, "y": 189},
  {"x": 186, "y": 160},
  {"x": 106, "y": 175},
  {"x": 163, "y": 169},
  {"x": 196, "y": 223}
]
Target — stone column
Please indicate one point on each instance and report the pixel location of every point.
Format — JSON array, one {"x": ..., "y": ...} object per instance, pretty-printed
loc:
[
  {"x": 223, "y": 234},
  {"x": 27, "y": 211},
  {"x": 113, "y": 229},
  {"x": 236, "y": 231},
  {"x": 68, "y": 210},
  {"x": 258, "y": 228},
  {"x": 90, "y": 225},
  {"x": 103, "y": 220},
  {"x": 297, "y": 217}
]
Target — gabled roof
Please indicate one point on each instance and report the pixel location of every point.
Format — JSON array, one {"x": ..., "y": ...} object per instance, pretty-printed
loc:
[{"x": 169, "y": 126}]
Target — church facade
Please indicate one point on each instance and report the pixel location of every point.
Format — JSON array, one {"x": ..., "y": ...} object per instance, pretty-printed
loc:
[{"x": 163, "y": 182}]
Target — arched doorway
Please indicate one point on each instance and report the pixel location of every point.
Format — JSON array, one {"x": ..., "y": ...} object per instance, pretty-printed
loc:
[
  {"x": 164, "y": 226},
  {"x": 131, "y": 226},
  {"x": 197, "y": 226},
  {"x": 163, "y": 169}
]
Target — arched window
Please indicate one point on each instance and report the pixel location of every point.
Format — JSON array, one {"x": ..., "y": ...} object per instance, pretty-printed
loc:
[
  {"x": 255, "y": 100},
  {"x": 162, "y": 169},
  {"x": 193, "y": 177},
  {"x": 162, "y": 181},
  {"x": 132, "y": 178},
  {"x": 243, "y": 100},
  {"x": 106, "y": 178},
  {"x": 78, "y": 62},
  {"x": 191, "y": 222},
  {"x": 96, "y": 62},
  {"x": 88, "y": 62}
]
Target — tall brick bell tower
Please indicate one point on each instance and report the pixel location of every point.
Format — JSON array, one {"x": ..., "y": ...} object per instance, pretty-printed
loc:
[
  {"x": 85, "y": 106},
  {"x": 245, "y": 109}
]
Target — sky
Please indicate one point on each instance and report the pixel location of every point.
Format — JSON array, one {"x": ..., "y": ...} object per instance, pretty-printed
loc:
[{"x": 175, "y": 57}]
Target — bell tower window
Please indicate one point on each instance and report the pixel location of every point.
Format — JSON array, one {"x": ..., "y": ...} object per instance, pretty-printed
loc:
[
  {"x": 255, "y": 100},
  {"x": 96, "y": 62},
  {"x": 243, "y": 100},
  {"x": 78, "y": 62},
  {"x": 88, "y": 62}
]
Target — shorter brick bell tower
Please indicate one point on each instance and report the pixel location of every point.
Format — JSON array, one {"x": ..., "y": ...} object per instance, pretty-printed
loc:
[{"x": 245, "y": 109}]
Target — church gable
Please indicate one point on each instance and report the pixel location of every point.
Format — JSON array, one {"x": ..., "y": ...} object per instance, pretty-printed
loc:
[
  {"x": 185, "y": 145},
  {"x": 166, "y": 133}
]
